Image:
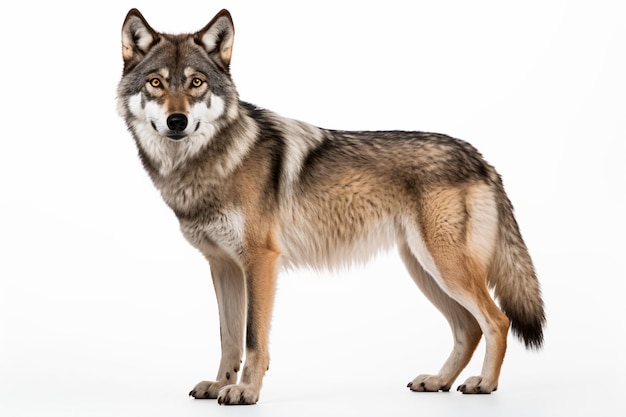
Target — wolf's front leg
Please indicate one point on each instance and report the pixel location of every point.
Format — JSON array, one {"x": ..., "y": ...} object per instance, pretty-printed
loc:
[
  {"x": 261, "y": 285},
  {"x": 230, "y": 289}
]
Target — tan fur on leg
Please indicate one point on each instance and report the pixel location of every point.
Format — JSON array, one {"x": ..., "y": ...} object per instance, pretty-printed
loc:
[{"x": 261, "y": 286}]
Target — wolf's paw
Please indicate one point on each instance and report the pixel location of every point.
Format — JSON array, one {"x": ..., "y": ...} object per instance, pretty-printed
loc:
[
  {"x": 477, "y": 385},
  {"x": 206, "y": 390},
  {"x": 239, "y": 394},
  {"x": 428, "y": 383}
]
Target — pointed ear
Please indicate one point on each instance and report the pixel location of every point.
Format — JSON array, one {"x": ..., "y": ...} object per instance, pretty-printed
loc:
[
  {"x": 217, "y": 38},
  {"x": 137, "y": 38}
]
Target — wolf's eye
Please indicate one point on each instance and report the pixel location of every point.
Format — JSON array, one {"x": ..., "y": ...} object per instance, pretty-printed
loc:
[
  {"x": 196, "y": 82},
  {"x": 155, "y": 82}
]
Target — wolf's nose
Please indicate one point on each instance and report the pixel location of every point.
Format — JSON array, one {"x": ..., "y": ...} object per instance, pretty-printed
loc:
[{"x": 177, "y": 122}]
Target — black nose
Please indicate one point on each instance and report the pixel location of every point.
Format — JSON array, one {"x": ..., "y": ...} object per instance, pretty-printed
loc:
[{"x": 177, "y": 122}]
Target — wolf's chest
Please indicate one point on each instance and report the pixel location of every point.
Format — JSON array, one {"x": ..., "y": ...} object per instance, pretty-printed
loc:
[
  {"x": 209, "y": 219},
  {"x": 223, "y": 230}
]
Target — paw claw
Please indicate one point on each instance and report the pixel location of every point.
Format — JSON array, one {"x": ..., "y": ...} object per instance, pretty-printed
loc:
[
  {"x": 238, "y": 394},
  {"x": 429, "y": 383},
  {"x": 477, "y": 385}
]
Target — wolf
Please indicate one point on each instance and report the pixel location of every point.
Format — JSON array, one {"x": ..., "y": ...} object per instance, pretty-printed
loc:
[{"x": 254, "y": 192}]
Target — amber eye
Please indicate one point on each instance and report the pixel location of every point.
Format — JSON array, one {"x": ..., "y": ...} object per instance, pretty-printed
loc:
[
  {"x": 155, "y": 82},
  {"x": 196, "y": 82}
]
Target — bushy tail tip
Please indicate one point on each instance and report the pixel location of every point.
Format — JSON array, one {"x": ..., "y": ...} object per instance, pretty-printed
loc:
[{"x": 530, "y": 332}]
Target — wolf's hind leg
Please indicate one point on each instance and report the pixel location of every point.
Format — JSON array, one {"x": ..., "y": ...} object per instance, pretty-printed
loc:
[
  {"x": 465, "y": 329},
  {"x": 453, "y": 239}
]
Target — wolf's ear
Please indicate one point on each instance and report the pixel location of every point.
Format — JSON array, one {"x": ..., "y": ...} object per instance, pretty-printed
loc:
[
  {"x": 217, "y": 38},
  {"x": 137, "y": 38}
]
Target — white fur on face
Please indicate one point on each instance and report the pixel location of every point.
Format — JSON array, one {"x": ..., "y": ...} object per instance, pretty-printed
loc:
[
  {"x": 200, "y": 119},
  {"x": 204, "y": 117},
  {"x": 150, "y": 126}
]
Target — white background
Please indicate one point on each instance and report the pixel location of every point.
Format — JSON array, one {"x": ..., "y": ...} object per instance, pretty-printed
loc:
[{"x": 106, "y": 311}]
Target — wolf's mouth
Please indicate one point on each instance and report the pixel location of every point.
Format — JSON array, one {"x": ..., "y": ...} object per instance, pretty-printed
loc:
[
  {"x": 176, "y": 136},
  {"x": 173, "y": 135}
]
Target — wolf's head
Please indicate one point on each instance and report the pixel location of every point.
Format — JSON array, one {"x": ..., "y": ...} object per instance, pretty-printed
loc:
[{"x": 176, "y": 91}]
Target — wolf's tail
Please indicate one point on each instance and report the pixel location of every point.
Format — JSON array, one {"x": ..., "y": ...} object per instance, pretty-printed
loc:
[{"x": 513, "y": 278}]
